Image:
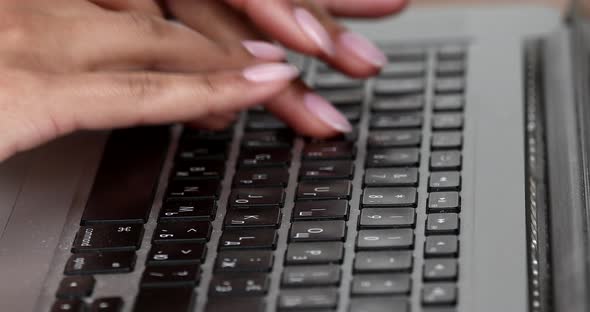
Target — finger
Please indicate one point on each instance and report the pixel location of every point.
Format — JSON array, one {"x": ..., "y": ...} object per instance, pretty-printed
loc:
[
  {"x": 365, "y": 8},
  {"x": 150, "y": 7},
  {"x": 214, "y": 122}
]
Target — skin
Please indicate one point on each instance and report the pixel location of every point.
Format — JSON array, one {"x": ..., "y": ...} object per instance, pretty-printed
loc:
[{"x": 73, "y": 65}]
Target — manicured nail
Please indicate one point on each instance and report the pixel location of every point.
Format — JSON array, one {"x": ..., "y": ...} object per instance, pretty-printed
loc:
[
  {"x": 326, "y": 112},
  {"x": 264, "y": 50},
  {"x": 314, "y": 30},
  {"x": 363, "y": 48},
  {"x": 271, "y": 72}
]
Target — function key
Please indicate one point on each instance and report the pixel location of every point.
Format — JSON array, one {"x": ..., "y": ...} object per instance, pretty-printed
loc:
[
  {"x": 389, "y": 197},
  {"x": 314, "y": 253},
  {"x": 440, "y": 270},
  {"x": 441, "y": 246},
  {"x": 182, "y": 232},
  {"x": 447, "y": 121},
  {"x": 191, "y": 210},
  {"x": 317, "y": 231},
  {"x": 108, "y": 237},
  {"x": 444, "y": 202},
  {"x": 445, "y": 160},
  {"x": 387, "y": 218},
  {"x": 394, "y": 138},
  {"x": 399, "y": 86},
  {"x": 398, "y": 103},
  {"x": 222, "y": 304},
  {"x": 396, "y": 121},
  {"x": 319, "y": 170},
  {"x": 311, "y": 276},
  {"x": 321, "y": 210},
  {"x": 171, "y": 276},
  {"x": 344, "y": 97},
  {"x": 248, "y": 239},
  {"x": 445, "y": 181},
  {"x": 189, "y": 190},
  {"x": 265, "y": 157},
  {"x": 404, "y": 70},
  {"x": 199, "y": 169},
  {"x": 329, "y": 151},
  {"x": 385, "y": 239},
  {"x": 253, "y": 217},
  {"x": 252, "y": 284},
  {"x": 267, "y": 139},
  {"x": 378, "y": 304},
  {"x": 100, "y": 263},
  {"x": 169, "y": 299},
  {"x": 175, "y": 254},
  {"x": 442, "y": 223},
  {"x": 454, "y": 102},
  {"x": 68, "y": 305},
  {"x": 336, "y": 80},
  {"x": 318, "y": 298},
  {"x": 240, "y": 261},
  {"x": 391, "y": 177},
  {"x": 257, "y": 197},
  {"x": 450, "y": 68},
  {"x": 446, "y": 140},
  {"x": 383, "y": 261},
  {"x": 264, "y": 122},
  {"x": 393, "y": 157},
  {"x": 334, "y": 189},
  {"x": 381, "y": 284},
  {"x": 254, "y": 177},
  {"x": 107, "y": 304},
  {"x": 72, "y": 287},
  {"x": 439, "y": 294}
]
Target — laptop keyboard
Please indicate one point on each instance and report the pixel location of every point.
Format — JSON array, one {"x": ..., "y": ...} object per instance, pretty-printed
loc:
[{"x": 257, "y": 219}]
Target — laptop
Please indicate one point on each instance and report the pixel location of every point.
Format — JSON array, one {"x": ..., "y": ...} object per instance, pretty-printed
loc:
[{"x": 464, "y": 187}]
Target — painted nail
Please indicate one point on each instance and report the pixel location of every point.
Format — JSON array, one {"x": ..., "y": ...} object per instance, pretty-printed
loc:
[
  {"x": 314, "y": 30},
  {"x": 363, "y": 48},
  {"x": 264, "y": 50},
  {"x": 326, "y": 112},
  {"x": 271, "y": 72}
]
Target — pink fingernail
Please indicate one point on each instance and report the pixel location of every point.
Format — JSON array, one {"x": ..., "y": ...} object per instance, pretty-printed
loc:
[
  {"x": 314, "y": 30},
  {"x": 363, "y": 48},
  {"x": 264, "y": 50},
  {"x": 326, "y": 112},
  {"x": 271, "y": 72}
]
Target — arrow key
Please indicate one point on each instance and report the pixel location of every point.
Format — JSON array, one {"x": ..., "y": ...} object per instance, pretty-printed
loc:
[
  {"x": 175, "y": 254},
  {"x": 171, "y": 276}
]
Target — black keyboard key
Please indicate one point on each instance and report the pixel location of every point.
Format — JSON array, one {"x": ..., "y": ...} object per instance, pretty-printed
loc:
[
  {"x": 189, "y": 190},
  {"x": 182, "y": 232},
  {"x": 123, "y": 189},
  {"x": 190, "y": 210},
  {"x": 381, "y": 284},
  {"x": 329, "y": 151},
  {"x": 389, "y": 197},
  {"x": 336, "y": 81},
  {"x": 452, "y": 52},
  {"x": 441, "y": 246},
  {"x": 311, "y": 276},
  {"x": 444, "y": 181},
  {"x": 253, "y": 217},
  {"x": 199, "y": 170},
  {"x": 398, "y": 103},
  {"x": 176, "y": 254},
  {"x": 257, "y": 197},
  {"x": 67, "y": 305},
  {"x": 315, "y": 253},
  {"x": 450, "y": 68},
  {"x": 72, "y": 287},
  {"x": 447, "y": 121},
  {"x": 396, "y": 121},
  {"x": 404, "y": 53},
  {"x": 240, "y": 261},
  {"x": 202, "y": 150},
  {"x": 252, "y": 284},
  {"x": 248, "y": 239},
  {"x": 264, "y": 122},
  {"x": 446, "y": 140},
  {"x": 169, "y": 299},
  {"x": 320, "y": 170},
  {"x": 108, "y": 237},
  {"x": 317, "y": 231},
  {"x": 394, "y": 138},
  {"x": 404, "y": 70},
  {"x": 108, "y": 304},
  {"x": 449, "y": 85},
  {"x": 267, "y": 139},
  {"x": 199, "y": 135},
  {"x": 387, "y": 218},
  {"x": 100, "y": 263},
  {"x": 321, "y": 210},
  {"x": 442, "y": 223},
  {"x": 391, "y": 177},
  {"x": 385, "y": 239},
  {"x": 352, "y": 113},
  {"x": 280, "y": 157},
  {"x": 393, "y": 157},
  {"x": 444, "y": 202},
  {"x": 400, "y": 86},
  {"x": 318, "y": 298},
  {"x": 344, "y": 97},
  {"x": 449, "y": 102},
  {"x": 439, "y": 294},
  {"x": 261, "y": 177},
  {"x": 378, "y": 304},
  {"x": 334, "y": 189},
  {"x": 171, "y": 276},
  {"x": 383, "y": 261},
  {"x": 445, "y": 160},
  {"x": 440, "y": 270},
  {"x": 249, "y": 304}
]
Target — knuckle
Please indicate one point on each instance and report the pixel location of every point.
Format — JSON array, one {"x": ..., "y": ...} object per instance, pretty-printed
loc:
[{"x": 142, "y": 86}]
